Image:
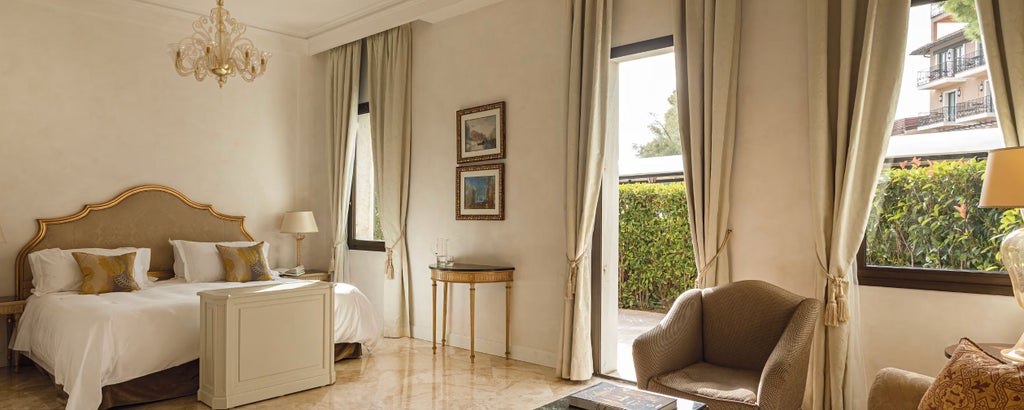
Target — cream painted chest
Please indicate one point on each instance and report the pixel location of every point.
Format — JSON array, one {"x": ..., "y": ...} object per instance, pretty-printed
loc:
[{"x": 261, "y": 342}]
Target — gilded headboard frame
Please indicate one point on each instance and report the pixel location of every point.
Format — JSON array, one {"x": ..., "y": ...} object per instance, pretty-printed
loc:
[{"x": 145, "y": 217}]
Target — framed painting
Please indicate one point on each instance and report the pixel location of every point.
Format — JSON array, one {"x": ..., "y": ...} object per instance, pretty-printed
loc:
[
  {"x": 480, "y": 192},
  {"x": 480, "y": 134}
]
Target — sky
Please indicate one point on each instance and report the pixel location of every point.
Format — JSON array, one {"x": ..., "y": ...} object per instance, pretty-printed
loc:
[
  {"x": 646, "y": 83},
  {"x": 644, "y": 87}
]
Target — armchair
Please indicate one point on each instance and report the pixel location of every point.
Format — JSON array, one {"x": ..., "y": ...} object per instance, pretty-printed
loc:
[{"x": 743, "y": 345}]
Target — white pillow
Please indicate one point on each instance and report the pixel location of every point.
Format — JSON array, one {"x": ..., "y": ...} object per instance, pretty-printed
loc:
[
  {"x": 200, "y": 261},
  {"x": 55, "y": 270}
]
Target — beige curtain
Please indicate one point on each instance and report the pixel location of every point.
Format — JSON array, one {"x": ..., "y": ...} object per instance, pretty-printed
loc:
[
  {"x": 589, "y": 59},
  {"x": 707, "y": 45},
  {"x": 1002, "y": 34},
  {"x": 855, "y": 63},
  {"x": 343, "y": 83},
  {"x": 389, "y": 57}
]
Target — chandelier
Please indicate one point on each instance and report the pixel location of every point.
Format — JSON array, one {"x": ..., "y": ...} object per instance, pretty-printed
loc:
[{"x": 218, "y": 48}]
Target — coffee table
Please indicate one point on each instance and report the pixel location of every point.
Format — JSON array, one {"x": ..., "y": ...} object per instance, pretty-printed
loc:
[{"x": 563, "y": 403}]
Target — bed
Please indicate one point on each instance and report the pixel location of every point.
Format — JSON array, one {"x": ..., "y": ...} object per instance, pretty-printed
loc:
[{"x": 124, "y": 348}]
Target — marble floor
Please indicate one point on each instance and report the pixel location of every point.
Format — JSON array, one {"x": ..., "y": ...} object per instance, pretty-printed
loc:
[{"x": 400, "y": 374}]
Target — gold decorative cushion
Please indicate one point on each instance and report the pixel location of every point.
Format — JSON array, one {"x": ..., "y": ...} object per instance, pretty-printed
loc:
[
  {"x": 244, "y": 264},
  {"x": 103, "y": 274},
  {"x": 974, "y": 380}
]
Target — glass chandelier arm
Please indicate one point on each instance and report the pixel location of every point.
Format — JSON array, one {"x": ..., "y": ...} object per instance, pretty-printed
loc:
[{"x": 218, "y": 47}]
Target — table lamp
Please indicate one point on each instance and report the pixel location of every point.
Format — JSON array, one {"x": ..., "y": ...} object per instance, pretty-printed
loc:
[
  {"x": 299, "y": 223},
  {"x": 1004, "y": 188}
]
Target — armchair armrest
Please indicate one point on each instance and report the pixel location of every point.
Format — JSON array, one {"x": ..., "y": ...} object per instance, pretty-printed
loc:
[
  {"x": 674, "y": 343},
  {"x": 896, "y": 389},
  {"x": 784, "y": 377}
]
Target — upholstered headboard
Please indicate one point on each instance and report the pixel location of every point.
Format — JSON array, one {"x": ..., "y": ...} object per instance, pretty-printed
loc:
[{"x": 142, "y": 217}]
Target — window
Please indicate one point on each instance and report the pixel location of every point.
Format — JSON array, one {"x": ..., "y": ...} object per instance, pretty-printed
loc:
[
  {"x": 925, "y": 230},
  {"x": 364, "y": 231}
]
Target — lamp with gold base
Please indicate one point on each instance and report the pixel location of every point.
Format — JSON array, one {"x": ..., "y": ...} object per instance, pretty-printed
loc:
[
  {"x": 299, "y": 223},
  {"x": 1004, "y": 188}
]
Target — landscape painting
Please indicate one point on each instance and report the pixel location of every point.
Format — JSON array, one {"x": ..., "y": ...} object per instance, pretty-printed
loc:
[
  {"x": 481, "y": 133},
  {"x": 479, "y": 193}
]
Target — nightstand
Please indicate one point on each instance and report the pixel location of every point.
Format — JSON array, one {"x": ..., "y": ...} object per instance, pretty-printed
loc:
[
  {"x": 12, "y": 309},
  {"x": 312, "y": 275}
]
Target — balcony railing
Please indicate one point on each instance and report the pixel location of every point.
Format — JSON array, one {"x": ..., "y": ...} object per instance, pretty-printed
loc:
[
  {"x": 935, "y": 73},
  {"x": 969, "y": 61},
  {"x": 974, "y": 107},
  {"x": 951, "y": 68},
  {"x": 962, "y": 109}
]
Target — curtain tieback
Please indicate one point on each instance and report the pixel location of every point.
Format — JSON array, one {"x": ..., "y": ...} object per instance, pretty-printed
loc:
[
  {"x": 699, "y": 280},
  {"x": 574, "y": 268},
  {"x": 389, "y": 265},
  {"x": 837, "y": 311}
]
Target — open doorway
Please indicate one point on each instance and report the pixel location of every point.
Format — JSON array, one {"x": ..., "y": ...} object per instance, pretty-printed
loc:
[{"x": 645, "y": 250}]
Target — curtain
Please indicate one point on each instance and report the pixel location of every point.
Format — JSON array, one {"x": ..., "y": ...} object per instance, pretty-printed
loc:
[
  {"x": 855, "y": 63},
  {"x": 343, "y": 83},
  {"x": 589, "y": 58},
  {"x": 389, "y": 57},
  {"x": 707, "y": 38},
  {"x": 1002, "y": 35}
]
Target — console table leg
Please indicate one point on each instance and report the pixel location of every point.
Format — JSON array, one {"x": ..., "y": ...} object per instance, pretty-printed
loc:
[
  {"x": 472, "y": 322},
  {"x": 444, "y": 316},
  {"x": 433, "y": 333},
  {"x": 508, "y": 316}
]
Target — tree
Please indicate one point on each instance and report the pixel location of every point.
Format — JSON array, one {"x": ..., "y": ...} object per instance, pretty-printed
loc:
[
  {"x": 964, "y": 12},
  {"x": 666, "y": 134}
]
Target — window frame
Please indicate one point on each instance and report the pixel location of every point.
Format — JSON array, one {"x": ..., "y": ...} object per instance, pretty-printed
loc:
[
  {"x": 353, "y": 243},
  {"x": 946, "y": 280}
]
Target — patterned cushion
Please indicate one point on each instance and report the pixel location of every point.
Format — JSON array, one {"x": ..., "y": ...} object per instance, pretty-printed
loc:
[
  {"x": 974, "y": 380},
  {"x": 244, "y": 264},
  {"x": 103, "y": 274}
]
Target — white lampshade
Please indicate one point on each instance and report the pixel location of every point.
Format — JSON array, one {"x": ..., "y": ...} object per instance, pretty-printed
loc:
[
  {"x": 1004, "y": 188},
  {"x": 1004, "y": 179},
  {"x": 299, "y": 222}
]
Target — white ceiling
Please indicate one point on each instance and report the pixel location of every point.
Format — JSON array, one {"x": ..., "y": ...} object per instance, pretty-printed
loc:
[
  {"x": 325, "y": 24},
  {"x": 296, "y": 18}
]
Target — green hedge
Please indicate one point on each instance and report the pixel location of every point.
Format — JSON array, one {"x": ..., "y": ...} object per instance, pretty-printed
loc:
[
  {"x": 655, "y": 253},
  {"x": 925, "y": 214}
]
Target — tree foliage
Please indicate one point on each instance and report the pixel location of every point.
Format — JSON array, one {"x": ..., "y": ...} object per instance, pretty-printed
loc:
[
  {"x": 666, "y": 134},
  {"x": 965, "y": 12}
]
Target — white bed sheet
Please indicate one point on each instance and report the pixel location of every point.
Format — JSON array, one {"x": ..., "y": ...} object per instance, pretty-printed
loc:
[{"x": 90, "y": 341}]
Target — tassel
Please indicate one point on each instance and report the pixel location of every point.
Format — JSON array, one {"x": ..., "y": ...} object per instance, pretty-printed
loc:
[
  {"x": 389, "y": 267},
  {"x": 831, "y": 314},
  {"x": 832, "y": 308}
]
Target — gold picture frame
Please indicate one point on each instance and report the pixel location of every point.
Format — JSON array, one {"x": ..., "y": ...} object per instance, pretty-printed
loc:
[
  {"x": 480, "y": 133},
  {"x": 480, "y": 192}
]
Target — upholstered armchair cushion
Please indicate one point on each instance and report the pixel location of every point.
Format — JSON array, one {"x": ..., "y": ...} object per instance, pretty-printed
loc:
[
  {"x": 741, "y": 345},
  {"x": 896, "y": 389}
]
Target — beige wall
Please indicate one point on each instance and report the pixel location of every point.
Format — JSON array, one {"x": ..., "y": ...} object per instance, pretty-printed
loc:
[
  {"x": 465, "y": 62},
  {"x": 772, "y": 231},
  {"x": 92, "y": 106},
  {"x": 639, "y": 20}
]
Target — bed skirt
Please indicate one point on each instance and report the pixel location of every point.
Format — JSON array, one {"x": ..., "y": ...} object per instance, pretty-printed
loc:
[{"x": 178, "y": 381}]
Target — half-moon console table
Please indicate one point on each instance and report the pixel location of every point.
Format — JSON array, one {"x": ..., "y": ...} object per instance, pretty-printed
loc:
[{"x": 471, "y": 274}]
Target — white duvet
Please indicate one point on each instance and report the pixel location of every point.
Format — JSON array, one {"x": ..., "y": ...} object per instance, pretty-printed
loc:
[{"x": 90, "y": 341}]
